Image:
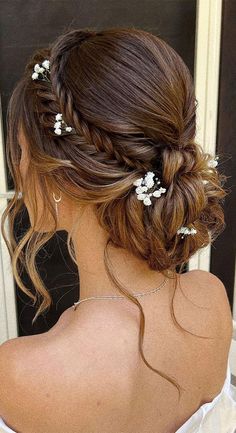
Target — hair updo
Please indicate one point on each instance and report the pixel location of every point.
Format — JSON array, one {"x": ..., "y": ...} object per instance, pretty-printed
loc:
[{"x": 130, "y": 98}]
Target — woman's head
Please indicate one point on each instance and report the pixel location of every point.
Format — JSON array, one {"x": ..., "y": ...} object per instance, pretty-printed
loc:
[{"x": 130, "y": 98}]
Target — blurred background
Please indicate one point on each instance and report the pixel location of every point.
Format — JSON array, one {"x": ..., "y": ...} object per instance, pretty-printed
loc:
[{"x": 204, "y": 34}]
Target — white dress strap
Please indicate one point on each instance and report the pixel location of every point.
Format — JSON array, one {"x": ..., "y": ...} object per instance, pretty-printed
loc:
[{"x": 4, "y": 428}]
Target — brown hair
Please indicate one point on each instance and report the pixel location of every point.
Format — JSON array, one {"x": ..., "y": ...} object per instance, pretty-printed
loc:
[{"x": 130, "y": 98}]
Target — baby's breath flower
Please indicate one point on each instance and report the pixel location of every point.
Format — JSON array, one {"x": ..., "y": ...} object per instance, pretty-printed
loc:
[
  {"x": 35, "y": 76},
  {"x": 46, "y": 64},
  {"x": 146, "y": 183},
  {"x": 37, "y": 67},
  {"x": 60, "y": 125},
  {"x": 59, "y": 116}
]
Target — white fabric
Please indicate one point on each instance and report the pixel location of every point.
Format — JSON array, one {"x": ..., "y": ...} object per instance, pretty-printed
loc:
[
  {"x": 4, "y": 428},
  {"x": 218, "y": 416}
]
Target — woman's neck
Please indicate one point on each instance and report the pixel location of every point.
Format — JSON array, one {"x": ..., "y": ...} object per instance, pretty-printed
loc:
[{"x": 89, "y": 243}]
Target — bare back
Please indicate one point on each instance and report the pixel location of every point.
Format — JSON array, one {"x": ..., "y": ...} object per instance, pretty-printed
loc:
[{"x": 93, "y": 352}]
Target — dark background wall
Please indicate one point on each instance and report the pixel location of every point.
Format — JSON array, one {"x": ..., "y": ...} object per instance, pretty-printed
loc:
[{"x": 26, "y": 25}]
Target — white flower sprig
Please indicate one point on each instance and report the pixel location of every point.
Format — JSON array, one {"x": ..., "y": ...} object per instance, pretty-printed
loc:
[
  {"x": 186, "y": 231},
  {"x": 40, "y": 72},
  {"x": 212, "y": 163},
  {"x": 60, "y": 125},
  {"x": 144, "y": 184}
]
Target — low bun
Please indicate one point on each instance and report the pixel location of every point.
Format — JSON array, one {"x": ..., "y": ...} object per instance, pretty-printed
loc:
[{"x": 192, "y": 189}]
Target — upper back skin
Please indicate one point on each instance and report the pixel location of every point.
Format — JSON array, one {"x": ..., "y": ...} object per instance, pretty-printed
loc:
[{"x": 86, "y": 374}]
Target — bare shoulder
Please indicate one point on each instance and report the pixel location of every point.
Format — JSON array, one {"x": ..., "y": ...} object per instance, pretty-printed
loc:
[
  {"x": 25, "y": 376},
  {"x": 207, "y": 290},
  {"x": 14, "y": 355},
  {"x": 9, "y": 368},
  {"x": 213, "y": 290},
  {"x": 58, "y": 369},
  {"x": 207, "y": 313}
]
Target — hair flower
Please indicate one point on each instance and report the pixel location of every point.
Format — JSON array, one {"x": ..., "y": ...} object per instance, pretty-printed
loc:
[
  {"x": 158, "y": 192},
  {"x": 186, "y": 231},
  {"x": 36, "y": 67},
  {"x": 46, "y": 64},
  {"x": 146, "y": 183},
  {"x": 58, "y": 116},
  {"x": 35, "y": 76},
  {"x": 60, "y": 125},
  {"x": 40, "y": 72},
  {"x": 147, "y": 201},
  {"x": 213, "y": 162}
]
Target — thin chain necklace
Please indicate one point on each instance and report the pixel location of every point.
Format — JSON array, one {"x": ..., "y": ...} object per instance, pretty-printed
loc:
[{"x": 121, "y": 297}]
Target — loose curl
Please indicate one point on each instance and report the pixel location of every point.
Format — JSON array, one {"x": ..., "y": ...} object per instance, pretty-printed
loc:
[{"x": 130, "y": 98}]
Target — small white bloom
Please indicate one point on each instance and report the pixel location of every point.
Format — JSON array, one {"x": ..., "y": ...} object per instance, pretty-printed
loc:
[
  {"x": 149, "y": 183},
  {"x": 35, "y": 76},
  {"x": 37, "y": 67},
  {"x": 144, "y": 184},
  {"x": 212, "y": 163},
  {"x": 205, "y": 181},
  {"x": 57, "y": 125},
  {"x": 147, "y": 201},
  {"x": 138, "y": 182},
  {"x": 58, "y": 131},
  {"x": 141, "y": 189},
  {"x": 156, "y": 193},
  {"x": 141, "y": 196},
  {"x": 59, "y": 116},
  {"x": 148, "y": 178},
  {"x": 150, "y": 174},
  {"x": 68, "y": 128},
  {"x": 41, "y": 70},
  {"x": 46, "y": 64},
  {"x": 159, "y": 191},
  {"x": 186, "y": 230}
]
